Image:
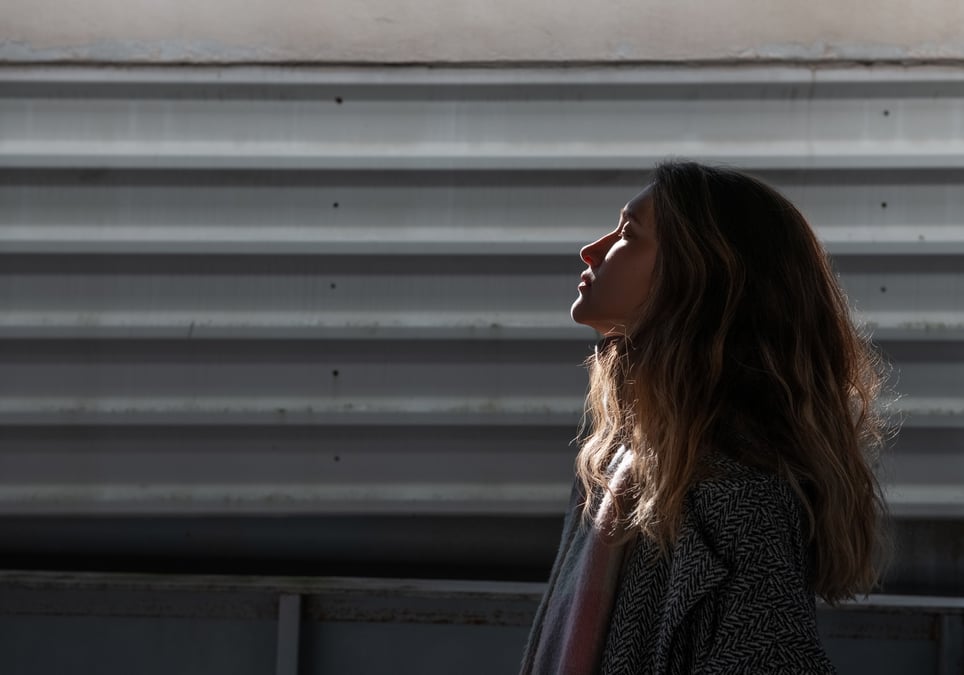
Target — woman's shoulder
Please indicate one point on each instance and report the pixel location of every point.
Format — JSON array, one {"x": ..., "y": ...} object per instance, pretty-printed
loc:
[
  {"x": 736, "y": 502},
  {"x": 720, "y": 472}
]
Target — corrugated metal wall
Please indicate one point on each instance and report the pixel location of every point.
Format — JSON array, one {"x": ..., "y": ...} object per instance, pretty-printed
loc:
[{"x": 238, "y": 293}]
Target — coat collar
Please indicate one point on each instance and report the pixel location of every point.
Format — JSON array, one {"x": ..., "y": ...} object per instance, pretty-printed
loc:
[{"x": 696, "y": 570}]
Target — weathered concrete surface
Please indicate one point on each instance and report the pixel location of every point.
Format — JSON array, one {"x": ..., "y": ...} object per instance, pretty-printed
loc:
[{"x": 467, "y": 31}]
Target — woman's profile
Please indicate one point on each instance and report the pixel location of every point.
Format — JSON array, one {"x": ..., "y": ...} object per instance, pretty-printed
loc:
[{"x": 725, "y": 474}]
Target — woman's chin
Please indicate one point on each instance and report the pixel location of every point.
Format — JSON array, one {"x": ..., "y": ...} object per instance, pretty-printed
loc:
[
  {"x": 577, "y": 313},
  {"x": 579, "y": 317}
]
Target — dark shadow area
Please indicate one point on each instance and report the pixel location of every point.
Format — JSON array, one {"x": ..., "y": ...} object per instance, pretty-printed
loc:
[{"x": 929, "y": 558}]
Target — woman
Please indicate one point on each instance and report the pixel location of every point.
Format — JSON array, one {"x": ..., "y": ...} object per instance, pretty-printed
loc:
[{"x": 730, "y": 451}]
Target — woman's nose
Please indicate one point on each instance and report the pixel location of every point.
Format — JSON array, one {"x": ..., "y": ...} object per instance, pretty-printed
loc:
[
  {"x": 592, "y": 253},
  {"x": 584, "y": 254}
]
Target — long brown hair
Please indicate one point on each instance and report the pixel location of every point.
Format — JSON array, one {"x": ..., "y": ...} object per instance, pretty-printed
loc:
[{"x": 745, "y": 345}]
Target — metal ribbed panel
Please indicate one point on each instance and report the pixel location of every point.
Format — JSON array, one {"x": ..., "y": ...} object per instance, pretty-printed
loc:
[{"x": 347, "y": 291}]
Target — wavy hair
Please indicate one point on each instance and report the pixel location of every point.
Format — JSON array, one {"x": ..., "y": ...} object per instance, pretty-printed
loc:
[{"x": 745, "y": 344}]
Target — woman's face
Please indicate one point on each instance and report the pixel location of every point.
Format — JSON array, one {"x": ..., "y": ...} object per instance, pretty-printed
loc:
[{"x": 620, "y": 270}]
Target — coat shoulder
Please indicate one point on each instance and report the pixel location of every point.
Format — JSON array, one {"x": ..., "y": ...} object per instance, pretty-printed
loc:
[
  {"x": 739, "y": 507},
  {"x": 761, "y": 617}
]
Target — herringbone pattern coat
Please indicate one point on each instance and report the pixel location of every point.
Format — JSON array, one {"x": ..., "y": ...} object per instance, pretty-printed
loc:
[{"x": 733, "y": 597}]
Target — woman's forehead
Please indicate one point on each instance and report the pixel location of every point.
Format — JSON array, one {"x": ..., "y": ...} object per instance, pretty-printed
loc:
[{"x": 638, "y": 205}]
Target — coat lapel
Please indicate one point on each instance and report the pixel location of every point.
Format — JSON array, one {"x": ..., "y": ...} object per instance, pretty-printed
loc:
[{"x": 696, "y": 571}]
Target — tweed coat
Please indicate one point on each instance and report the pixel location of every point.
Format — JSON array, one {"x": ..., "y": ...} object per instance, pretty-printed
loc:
[{"x": 732, "y": 598}]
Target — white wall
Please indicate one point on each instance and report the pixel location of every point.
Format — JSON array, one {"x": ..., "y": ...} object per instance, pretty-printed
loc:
[{"x": 400, "y": 31}]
